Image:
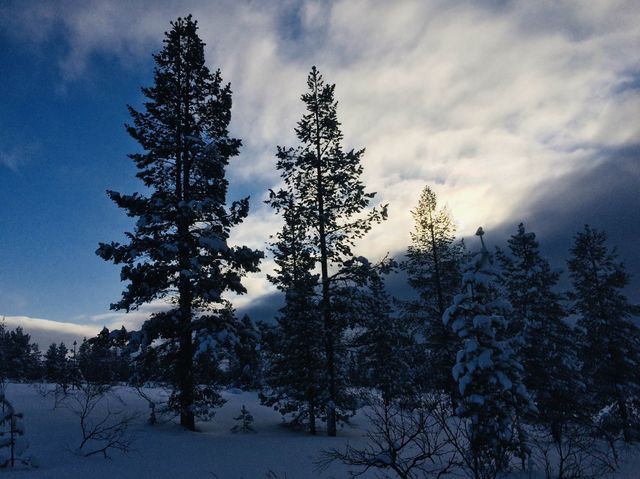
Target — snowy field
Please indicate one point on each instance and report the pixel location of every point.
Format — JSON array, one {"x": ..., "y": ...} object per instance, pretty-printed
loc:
[{"x": 167, "y": 451}]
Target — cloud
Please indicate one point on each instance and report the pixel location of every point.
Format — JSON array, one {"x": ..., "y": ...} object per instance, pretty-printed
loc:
[
  {"x": 488, "y": 102},
  {"x": 606, "y": 196},
  {"x": 10, "y": 160},
  {"x": 15, "y": 157},
  {"x": 131, "y": 321},
  {"x": 45, "y": 332}
]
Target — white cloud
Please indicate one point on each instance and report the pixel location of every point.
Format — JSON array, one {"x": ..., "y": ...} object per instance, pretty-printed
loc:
[
  {"x": 13, "y": 156},
  {"x": 485, "y": 102},
  {"x": 10, "y": 160},
  {"x": 131, "y": 320},
  {"x": 45, "y": 332}
]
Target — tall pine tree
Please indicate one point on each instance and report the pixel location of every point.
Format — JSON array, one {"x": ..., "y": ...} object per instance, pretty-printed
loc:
[
  {"x": 545, "y": 345},
  {"x": 295, "y": 354},
  {"x": 179, "y": 248},
  {"x": 433, "y": 269},
  {"x": 326, "y": 181},
  {"x": 610, "y": 351}
]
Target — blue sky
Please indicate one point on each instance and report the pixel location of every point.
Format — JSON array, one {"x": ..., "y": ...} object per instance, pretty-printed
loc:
[
  {"x": 64, "y": 145},
  {"x": 513, "y": 112}
]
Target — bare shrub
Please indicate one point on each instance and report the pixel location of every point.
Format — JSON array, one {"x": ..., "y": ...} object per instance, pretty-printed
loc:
[
  {"x": 406, "y": 441},
  {"x": 577, "y": 451},
  {"x": 103, "y": 428}
]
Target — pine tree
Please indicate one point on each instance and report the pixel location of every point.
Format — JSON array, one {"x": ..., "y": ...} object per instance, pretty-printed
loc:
[
  {"x": 545, "y": 346},
  {"x": 51, "y": 362},
  {"x": 487, "y": 371},
  {"x": 11, "y": 430},
  {"x": 326, "y": 182},
  {"x": 57, "y": 367},
  {"x": 610, "y": 352},
  {"x": 19, "y": 358},
  {"x": 246, "y": 420},
  {"x": 433, "y": 270},
  {"x": 386, "y": 347},
  {"x": 179, "y": 246},
  {"x": 245, "y": 361},
  {"x": 103, "y": 359},
  {"x": 294, "y": 361}
]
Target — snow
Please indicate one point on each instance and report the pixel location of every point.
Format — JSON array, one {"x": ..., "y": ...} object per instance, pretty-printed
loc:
[
  {"x": 167, "y": 451},
  {"x": 213, "y": 243},
  {"x": 484, "y": 360}
]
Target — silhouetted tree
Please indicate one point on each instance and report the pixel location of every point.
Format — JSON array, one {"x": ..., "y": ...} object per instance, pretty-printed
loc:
[
  {"x": 433, "y": 269},
  {"x": 179, "y": 245},
  {"x": 57, "y": 367},
  {"x": 103, "y": 359},
  {"x": 294, "y": 349},
  {"x": 385, "y": 346},
  {"x": 545, "y": 342},
  {"x": 19, "y": 357},
  {"x": 610, "y": 351},
  {"x": 245, "y": 360},
  {"x": 326, "y": 183}
]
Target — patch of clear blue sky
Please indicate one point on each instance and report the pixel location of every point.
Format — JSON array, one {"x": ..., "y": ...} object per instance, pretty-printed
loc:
[{"x": 69, "y": 145}]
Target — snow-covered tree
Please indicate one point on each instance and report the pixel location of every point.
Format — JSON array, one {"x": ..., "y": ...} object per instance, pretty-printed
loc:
[
  {"x": 325, "y": 180},
  {"x": 545, "y": 342},
  {"x": 488, "y": 373},
  {"x": 433, "y": 269},
  {"x": 178, "y": 248},
  {"x": 610, "y": 351},
  {"x": 294, "y": 349}
]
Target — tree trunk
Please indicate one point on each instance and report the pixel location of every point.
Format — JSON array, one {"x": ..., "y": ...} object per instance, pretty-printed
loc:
[
  {"x": 326, "y": 301},
  {"x": 186, "y": 386}
]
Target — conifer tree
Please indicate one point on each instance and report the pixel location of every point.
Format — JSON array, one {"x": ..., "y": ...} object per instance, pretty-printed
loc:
[
  {"x": 12, "y": 446},
  {"x": 545, "y": 346},
  {"x": 610, "y": 351},
  {"x": 295, "y": 352},
  {"x": 57, "y": 367},
  {"x": 386, "y": 347},
  {"x": 103, "y": 359},
  {"x": 325, "y": 181},
  {"x": 245, "y": 419},
  {"x": 433, "y": 269},
  {"x": 19, "y": 357},
  {"x": 487, "y": 370},
  {"x": 245, "y": 361},
  {"x": 178, "y": 248}
]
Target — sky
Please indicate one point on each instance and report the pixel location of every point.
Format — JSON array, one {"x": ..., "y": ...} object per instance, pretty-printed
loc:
[{"x": 510, "y": 111}]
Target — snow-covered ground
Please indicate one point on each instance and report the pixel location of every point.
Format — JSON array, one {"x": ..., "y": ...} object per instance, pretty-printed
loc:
[{"x": 167, "y": 451}]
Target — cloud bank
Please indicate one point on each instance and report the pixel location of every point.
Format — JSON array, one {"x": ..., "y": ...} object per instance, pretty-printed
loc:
[{"x": 44, "y": 332}]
